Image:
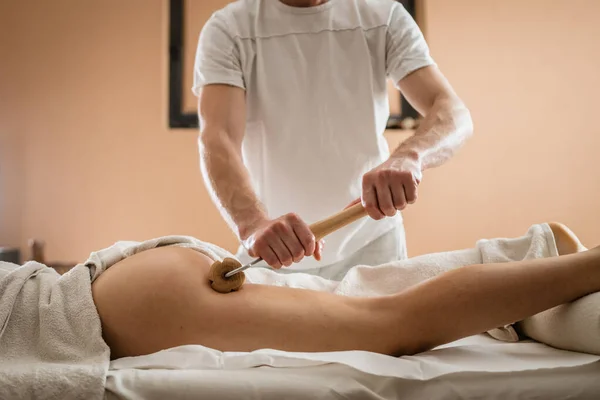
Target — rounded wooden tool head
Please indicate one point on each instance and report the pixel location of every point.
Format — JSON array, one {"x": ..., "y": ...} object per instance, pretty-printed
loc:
[{"x": 217, "y": 276}]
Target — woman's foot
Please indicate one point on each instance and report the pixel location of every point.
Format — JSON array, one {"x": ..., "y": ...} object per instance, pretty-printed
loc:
[{"x": 566, "y": 241}]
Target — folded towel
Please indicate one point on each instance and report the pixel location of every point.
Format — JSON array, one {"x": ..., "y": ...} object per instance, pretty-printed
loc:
[{"x": 574, "y": 326}]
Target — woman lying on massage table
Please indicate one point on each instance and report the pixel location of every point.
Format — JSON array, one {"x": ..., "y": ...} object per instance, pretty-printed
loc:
[{"x": 161, "y": 298}]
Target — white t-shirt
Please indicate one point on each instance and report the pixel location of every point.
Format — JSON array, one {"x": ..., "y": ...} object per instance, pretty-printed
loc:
[{"x": 317, "y": 101}]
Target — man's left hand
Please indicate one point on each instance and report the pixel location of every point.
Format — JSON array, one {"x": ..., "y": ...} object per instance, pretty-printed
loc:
[{"x": 391, "y": 186}]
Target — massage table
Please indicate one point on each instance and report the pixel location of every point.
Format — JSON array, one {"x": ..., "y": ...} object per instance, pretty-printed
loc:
[
  {"x": 58, "y": 348},
  {"x": 477, "y": 367}
]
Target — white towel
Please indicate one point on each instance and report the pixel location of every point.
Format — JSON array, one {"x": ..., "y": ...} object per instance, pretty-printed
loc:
[
  {"x": 50, "y": 338},
  {"x": 574, "y": 326}
]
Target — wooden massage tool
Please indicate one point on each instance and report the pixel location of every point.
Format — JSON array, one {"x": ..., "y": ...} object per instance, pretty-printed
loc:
[{"x": 228, "y": 276}]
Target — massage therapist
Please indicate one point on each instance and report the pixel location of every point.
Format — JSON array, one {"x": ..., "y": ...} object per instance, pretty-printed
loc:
[{"x": 293, "y": 105}]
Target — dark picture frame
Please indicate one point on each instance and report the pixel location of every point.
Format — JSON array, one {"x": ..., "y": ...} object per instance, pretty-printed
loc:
[{"x": 178, "y": 119}]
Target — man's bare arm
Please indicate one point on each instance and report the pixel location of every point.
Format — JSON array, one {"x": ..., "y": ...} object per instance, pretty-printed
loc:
[
  {"x": 279, "y": 241},
  {"x": 222, "y": 113},
  {"x": 447, "y": 121}
]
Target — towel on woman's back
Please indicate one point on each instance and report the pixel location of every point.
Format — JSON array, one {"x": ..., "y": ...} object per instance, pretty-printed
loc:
[{"x": 50, "y": 336}]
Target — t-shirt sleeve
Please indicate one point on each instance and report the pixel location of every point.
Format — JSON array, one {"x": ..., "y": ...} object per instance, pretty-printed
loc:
[
  {"x": 406, "y": 48},
  {"x": 217, "y": 56}
]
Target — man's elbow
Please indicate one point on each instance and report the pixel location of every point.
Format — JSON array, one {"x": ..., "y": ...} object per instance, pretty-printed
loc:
[
  {"x": 463, "y": 120},
  {"x": 214, "y": 140},
  {"x": 210, "y": 138},
  {"x": 452, "y": 112},
  {"x": 207, "y": 134}
]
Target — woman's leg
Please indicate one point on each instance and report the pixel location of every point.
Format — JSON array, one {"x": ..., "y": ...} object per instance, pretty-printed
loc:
[
  {"x": 161, "y": 298},
  {"x": 477, "y": 298}
]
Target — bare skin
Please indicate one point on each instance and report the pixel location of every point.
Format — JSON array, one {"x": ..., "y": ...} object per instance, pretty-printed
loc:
[{"x": 160, "y": 298}]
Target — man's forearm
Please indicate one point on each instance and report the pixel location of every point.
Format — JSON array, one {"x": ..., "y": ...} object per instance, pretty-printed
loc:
[
  {"x": 442, "y": 132},
  {"x": 229, "y": 183}
]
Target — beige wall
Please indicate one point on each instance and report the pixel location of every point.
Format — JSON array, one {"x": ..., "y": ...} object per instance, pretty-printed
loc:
[
  {"x": 529, "y": 72},
  {"x": 11, "y": 135},
  {"x": 11, "y": 182},
  {"x": 86, "y": 157}
]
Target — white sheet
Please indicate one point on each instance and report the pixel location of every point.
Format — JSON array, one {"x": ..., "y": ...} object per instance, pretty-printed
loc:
[{"x": 474, "y": 367}]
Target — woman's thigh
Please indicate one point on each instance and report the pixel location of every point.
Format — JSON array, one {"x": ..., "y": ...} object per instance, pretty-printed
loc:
[{"x": 161, "y": 298}]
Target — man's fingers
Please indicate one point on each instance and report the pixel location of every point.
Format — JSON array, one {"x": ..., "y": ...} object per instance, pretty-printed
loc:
[
  {"x": 411, "y": 192},
  {"x": 391, "y": 186},
  {"x": 272, "y": 260},
  {"x": 263, "y": 250},
  {"x": 319, "y": 249},
  {"x": 399, "y": 197},
  {"x": 288, "y": 237},
  {"x": 384, "y": 196},
  {"x": 369, "y": 199},
  {"x": 304, "y": 236},
  {"x": 295, "y": 248},
  {"x": 281, "y": 250}
]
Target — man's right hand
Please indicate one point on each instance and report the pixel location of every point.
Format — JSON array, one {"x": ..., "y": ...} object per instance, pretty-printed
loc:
[{"x": 282, "y": 241}]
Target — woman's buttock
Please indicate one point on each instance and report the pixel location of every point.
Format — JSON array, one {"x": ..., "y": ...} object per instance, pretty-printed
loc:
[
  {"x": 161, "y": 298},
  {"x": 152, "y": 300}
]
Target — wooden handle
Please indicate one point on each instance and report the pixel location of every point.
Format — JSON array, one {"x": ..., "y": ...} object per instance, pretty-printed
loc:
[{"x": 337, "y": 221}]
